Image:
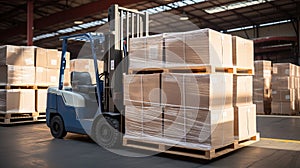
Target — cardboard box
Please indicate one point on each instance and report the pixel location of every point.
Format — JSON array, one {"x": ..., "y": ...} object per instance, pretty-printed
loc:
[
  {"x": 40, "y": 57},
  {"x": 133, "y": 121},
  {"x": 151, "y": 89},
  {"x": 206, "y": 46},
  {"x": 137, "y": 48},
  {"x": 261, "y": 82},
  {"x": 175, "y": 47},
  {"x": 285, "y": 95},
  {"x": 86, "y": 65},
  {"x": 283, "y": 82},
  {"x": 244, "y": 122},
  {"x": 52, "y": 77},
  {"x": 133, "y": 90},
  {"x": 199, "y": 128},
  {"x": 146, "y": 52},
  {"x": 17, "y": 55},
  {"x": 261, "y": 65},
  {"x": 242, "y": 90},
  {"x": 53, "y": 59},
  {"x": 17, "y": 101},
  {"x": 152, "y": 121},
  {"x": 284, "y": 69},
  {"x": 284, "y": 108},
  {"x": 142, "y": 89},
  {"x": 67, "y": 77},
  {"x": 41, "y": 76},
  {"x": 154, "y": 49},
  {"x": 143, "y": 121},
  {"x": 242, "y": 52},
  {"x": 47, "y": 58},
  {"x": 41, "y": 100},
  {"x": 263, "y": 107},
  {"x": 17, "y": 75},
  {"x": 204, "y": 91}
]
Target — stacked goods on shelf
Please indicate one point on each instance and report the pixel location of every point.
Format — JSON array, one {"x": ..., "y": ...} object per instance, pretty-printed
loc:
[
  {"x": 174, "y": 104},
  {"x": 284, "y": 89},
  {"x": 244, "y": 109},
  {"x": 86, "y": 65},
  {"x": 262, "y": 86}
]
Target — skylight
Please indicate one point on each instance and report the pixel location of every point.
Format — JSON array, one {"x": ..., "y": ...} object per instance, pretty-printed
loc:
[
  {"x": 235, "y": 5},
  {"x": 261, "y": 25}
]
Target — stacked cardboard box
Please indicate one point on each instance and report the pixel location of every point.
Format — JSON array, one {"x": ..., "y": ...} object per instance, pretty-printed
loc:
[
  {"x": 193, "y": 110},
  {"x": 284, "y": 89},
  {"x": 244, "y": 109},
  {"x": 47, "y": 63},
  {"x": 47, "y": 67},
  {"x": 262, "y": 86},
  {"x": 17, "y": 69},
  {"x": 28, "y": 66}
]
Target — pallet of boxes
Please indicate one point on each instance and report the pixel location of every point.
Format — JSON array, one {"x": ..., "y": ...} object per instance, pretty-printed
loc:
[
  {"x": 24, "y": 80},
  {"x": 285, "y": 84},
  {"x": 262, "y": 86},
  {"x": 179, "y": 93}
]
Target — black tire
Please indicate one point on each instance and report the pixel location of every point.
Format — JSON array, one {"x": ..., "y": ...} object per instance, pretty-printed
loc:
[
  {"x": 57, "y": 127},
  {"x": 106, "y": 132}
]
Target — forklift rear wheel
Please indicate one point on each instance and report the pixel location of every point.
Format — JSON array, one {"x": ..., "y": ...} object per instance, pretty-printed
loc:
[
  {"x": 57, "y": 127},
  {"x": 106, "y": 132}
]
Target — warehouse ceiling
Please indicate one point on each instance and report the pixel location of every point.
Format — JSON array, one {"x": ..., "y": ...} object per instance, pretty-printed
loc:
[{"x": 55, "y": 18}]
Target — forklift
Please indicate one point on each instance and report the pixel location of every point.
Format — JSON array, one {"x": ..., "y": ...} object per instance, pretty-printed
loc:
[{"x": 97, "y": 109}]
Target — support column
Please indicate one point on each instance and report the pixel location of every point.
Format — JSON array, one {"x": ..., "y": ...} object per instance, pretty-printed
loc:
[{"x": 29, "y": 22}]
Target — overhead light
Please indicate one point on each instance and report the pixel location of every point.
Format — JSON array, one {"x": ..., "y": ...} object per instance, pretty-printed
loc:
[
  {"x": 78, "y": 22},
  {"x": 184, "y": 16},
  {"x": 235, "y": 5}
]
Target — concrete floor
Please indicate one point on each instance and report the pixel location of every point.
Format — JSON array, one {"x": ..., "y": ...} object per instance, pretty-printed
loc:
[{"x": 31, "y": 145}]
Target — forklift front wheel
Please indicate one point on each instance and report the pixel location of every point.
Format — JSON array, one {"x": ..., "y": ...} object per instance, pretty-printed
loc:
[
  {"x": 57, "y": 127},
  {"x": 106, "y": 132}
]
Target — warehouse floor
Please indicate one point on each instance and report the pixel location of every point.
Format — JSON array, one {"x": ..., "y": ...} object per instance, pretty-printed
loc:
[{"x": 31, "y": 145}]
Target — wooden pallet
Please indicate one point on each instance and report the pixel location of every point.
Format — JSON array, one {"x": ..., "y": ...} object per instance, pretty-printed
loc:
[
  {"x": 42, "y": 116},
  {"x": 17, "y": 87},
  {"x": 186, "y": 151},
  {"x": 202, "y": 69},
  {"x": 146, "y": 71},
  {"x": 199, "y": 69},
  {"x": 36, "y": 87},
  {"x": 16, "y": 118},
  {"x": 243, "y": 71}
]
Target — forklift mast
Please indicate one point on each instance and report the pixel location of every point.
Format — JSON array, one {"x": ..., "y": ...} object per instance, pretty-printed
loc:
[{"x": 123, "y": 24}]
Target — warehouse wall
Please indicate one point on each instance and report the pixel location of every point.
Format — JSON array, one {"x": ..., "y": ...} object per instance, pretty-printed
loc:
[{"x": 285, "y": 29}]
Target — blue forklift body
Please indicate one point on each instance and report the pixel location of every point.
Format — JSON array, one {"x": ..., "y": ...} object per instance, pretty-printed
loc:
[{"x": 56, "y": 101}]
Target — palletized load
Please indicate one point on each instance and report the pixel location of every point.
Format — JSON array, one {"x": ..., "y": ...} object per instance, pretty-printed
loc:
[
  {"x": 262, "y": 86},
  {"x": 214, "y": 49},
  {"x": 196, "y": 107},
  {"x": 284, "y": 89}
]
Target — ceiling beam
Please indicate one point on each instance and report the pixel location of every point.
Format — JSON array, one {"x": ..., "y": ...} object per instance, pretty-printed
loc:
[{"x": 64, "y": 16}]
